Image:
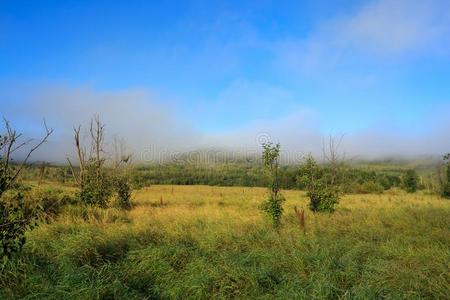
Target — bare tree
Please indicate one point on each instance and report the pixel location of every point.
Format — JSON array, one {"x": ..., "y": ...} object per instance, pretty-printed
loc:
[
  {"x": 97, "y": 131},
  {"x": 81, "y": 154},
  {"x": 94, "y": 181},
  {"x": 95, "y": 156},
  {"x": 331, "y": 156},
  {"x": 120, "y": 154},
  {"x": 9, "y": 145}
]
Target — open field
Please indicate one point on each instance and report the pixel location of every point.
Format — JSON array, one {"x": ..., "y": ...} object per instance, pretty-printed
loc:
[
  {"x": 225, "y": 150},
  {"x": 203, "y": 242}
]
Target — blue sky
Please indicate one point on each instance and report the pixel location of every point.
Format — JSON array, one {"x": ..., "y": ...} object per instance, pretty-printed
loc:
[{"x": 219, "y": 68}]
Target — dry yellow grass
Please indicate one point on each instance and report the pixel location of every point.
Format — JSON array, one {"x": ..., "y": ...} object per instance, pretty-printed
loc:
[
  {"x": 206, "y": 242},
  {"x": 239, "y": 205}
]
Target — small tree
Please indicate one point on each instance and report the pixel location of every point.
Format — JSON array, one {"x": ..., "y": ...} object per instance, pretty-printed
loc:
[
  {"x": 95, "y": 186},
  {"x": 121, "y": 162},
  {"x": 324, "y": 183},
  {"x": 273, "y": 205},
  {"x": 323, "y": 195},
  {"x": 410, "y": 181},
  {"x": 445, "y": 177},
  {"x": 15, "y": 217},
  {"x": 123, "y": 190},
  {"x": 334, "y": 162}
]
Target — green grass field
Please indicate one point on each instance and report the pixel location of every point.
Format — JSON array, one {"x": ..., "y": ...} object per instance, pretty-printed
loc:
[{"x": 202, "y": 242}]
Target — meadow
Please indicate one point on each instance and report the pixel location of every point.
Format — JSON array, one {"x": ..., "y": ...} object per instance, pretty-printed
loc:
[
  {"x": 225, "y": 150},
  {"x": 205, "y": 242}
]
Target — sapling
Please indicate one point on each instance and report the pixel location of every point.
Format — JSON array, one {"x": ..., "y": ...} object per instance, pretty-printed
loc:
[{"x": 273, "y": 205}]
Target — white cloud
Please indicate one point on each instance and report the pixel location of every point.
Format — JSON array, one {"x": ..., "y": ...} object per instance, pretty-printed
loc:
[
  {"x": 382, "y": 29},
  {"x": 395, "y": 26}
]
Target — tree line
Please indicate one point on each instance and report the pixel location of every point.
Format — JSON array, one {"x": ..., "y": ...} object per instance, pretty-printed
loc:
[{"x": 357, "y": 179}]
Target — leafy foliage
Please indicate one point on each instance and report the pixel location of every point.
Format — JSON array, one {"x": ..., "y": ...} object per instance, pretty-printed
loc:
[
  {"x": 323, "y": 199},
  {"x": 252, "y": 174},
  {"x": 123, "y": 189},
  {"x": 352, "y": 180},
  {"x": 96, "y": 186},
  {"x": 445, "y": 189},
  {"x": 16, "y": 218},
  {"x": 410, "y": 181},
  {"x": 273, "y": 206},
  {"x": 51, "y": 200},
  {"x": 371, "y": 187},
  {"x": 323, "y": 196}
]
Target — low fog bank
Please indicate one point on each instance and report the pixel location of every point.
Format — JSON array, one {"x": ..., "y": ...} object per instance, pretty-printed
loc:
[{"x": 156, "y": 131}]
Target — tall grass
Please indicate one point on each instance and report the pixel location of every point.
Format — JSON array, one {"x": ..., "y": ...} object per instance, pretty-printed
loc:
[{"x": 211, "y": 242}]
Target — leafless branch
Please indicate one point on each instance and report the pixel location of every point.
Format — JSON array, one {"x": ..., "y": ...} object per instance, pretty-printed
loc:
[
  {"x": 48, "y": 132},
  {"x": 77, "y": 178},
  {"x": 11, "y": 139},
  {"x": 331, "y": 155},
  {"x": 97, "y": 134}
]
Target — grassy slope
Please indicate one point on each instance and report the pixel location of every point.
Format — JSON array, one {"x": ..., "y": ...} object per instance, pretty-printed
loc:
[{"x": 211, "y": 242}]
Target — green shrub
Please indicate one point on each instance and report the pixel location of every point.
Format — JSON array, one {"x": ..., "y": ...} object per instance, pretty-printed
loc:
[
  {"x": 445, "y": 181},
  {"x": 323, "y": 199},
  {"x": 410, "y": 181},
  {"x": 96, "y": 187},
  {"x": 371, "y": 187},
  {"x": 123, "y": 190},
  {"x": 446, "y": 191},
  {"x": 16, "y": 218},
  {"x": 50, "y": 200},
  {"x": 273, "y": 207},
  {"x": 323, "y": 195}
]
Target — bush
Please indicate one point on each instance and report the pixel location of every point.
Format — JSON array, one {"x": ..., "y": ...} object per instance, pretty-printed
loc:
[
  {"x": 410, "y": 181},
  {"x": 273, "y": 207},
  {"x": 123, "y": 190},
  {"x": 445, "y": 181},
  {"x": 20, "y": 211},
  {"x": 16, "y": 218},
  {"x": 50, "y": 200},
  {"x": 96, "y": 187},
  {"x": 323, "y": 195},
  {"x": 446, "y": 191},
  {"x": 323, "y": 199},
  {"x": 371, "y": 187}
]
